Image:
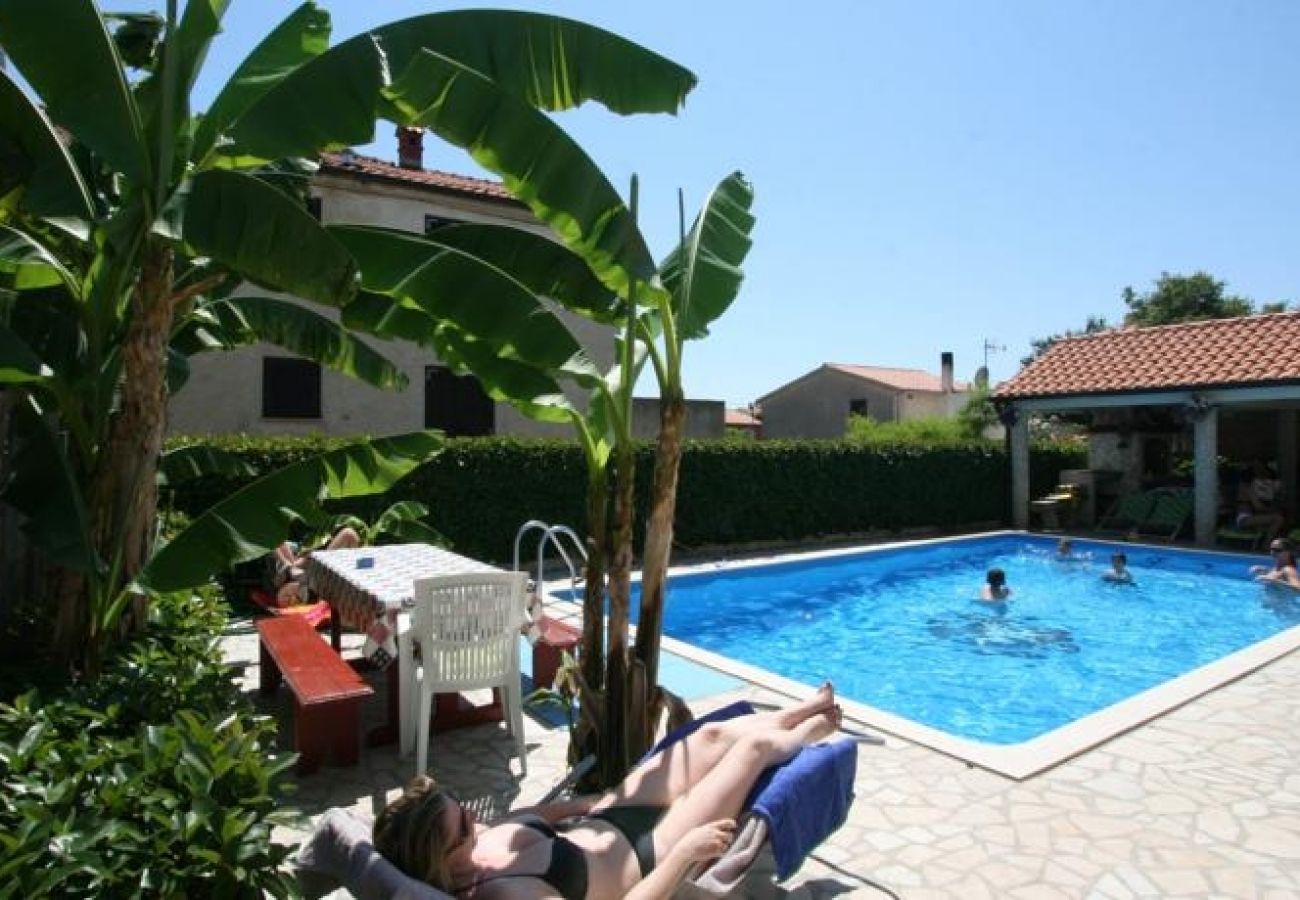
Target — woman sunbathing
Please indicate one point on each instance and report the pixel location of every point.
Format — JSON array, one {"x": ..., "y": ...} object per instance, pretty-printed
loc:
[{"x": 636, "y": 841}]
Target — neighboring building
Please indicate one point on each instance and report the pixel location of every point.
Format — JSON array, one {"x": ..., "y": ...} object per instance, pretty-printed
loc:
[
  {"x": 1165, "y": 402},
  {"x": 264, "y": 390},
  {"x": 818, "y": 405},
  {"x": 744, "y": 421}
]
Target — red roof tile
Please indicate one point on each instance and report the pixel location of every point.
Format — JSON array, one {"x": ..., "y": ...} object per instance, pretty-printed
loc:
[
  {"x": 899, "y": 379},
  {"x": 1251, "y": 350},
  {"x": 741, "y": 418},
  {"x": 355, "y": 164}
]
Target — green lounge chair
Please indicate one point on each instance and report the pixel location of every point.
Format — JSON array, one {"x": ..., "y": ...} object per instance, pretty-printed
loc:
[
  {"x": 1128, "y": 512},
  {"x": 1169, "y": 514}
]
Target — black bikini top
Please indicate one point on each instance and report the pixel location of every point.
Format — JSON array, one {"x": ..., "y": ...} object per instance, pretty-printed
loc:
[{"x": 567, "y": 871}]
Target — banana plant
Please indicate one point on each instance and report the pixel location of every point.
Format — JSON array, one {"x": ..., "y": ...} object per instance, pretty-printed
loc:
[{"x": 132, "y": 214}]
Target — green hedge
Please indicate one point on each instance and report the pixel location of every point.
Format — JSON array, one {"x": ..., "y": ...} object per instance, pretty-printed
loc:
[{"x": 480, "y": 490}]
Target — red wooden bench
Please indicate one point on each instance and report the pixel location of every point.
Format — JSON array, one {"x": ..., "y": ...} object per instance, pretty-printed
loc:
[{"x": 327, "y": 691}]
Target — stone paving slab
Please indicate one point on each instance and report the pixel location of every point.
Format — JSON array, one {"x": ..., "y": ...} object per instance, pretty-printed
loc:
[{"x": 1203, "y": 802}]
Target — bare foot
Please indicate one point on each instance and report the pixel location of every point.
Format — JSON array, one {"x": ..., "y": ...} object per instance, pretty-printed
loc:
[{"x": 820, "y": 726}]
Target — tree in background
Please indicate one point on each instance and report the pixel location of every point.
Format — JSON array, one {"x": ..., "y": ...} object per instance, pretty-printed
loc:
[
  {"x": 1175, "y": 298},
  {"x": 1188, "y": 298}
]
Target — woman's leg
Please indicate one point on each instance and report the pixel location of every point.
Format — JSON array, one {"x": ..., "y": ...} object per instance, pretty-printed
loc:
[
  {"x": 670, "y": 774},
  {"x": 721, "y": 792}
]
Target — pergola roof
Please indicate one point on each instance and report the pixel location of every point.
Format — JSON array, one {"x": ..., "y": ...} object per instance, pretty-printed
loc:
[{"x": 1251, "y": 351}]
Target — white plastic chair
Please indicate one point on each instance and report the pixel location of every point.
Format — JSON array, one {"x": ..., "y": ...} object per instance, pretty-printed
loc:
[{"x": 467, "y": 627}]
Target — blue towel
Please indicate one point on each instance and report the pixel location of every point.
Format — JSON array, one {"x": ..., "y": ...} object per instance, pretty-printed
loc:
[{"x": 805, "y": 800}]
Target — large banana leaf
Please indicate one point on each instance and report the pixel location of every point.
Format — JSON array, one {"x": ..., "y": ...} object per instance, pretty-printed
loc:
[
  {"x": 187, "y": 463},
  {"x": 34, "y": 159},
  {"x": 43, "y": 487},
  {"x": 253, "y": 521},
  {"x": 327, "y": 103},
  {"x": 545, "y": 267},
  {"x": 65, "y": 54},
  {"x": 534, "y": 391},
  {"x": 246, "y": 224},
  {"x": 550, "y": 62},
  {"x": 478, "y": 299},
  {"x": 704, "y": 273},
  {"x": 26, "y": 265},
  {"x": 539, "y": 164},
  {"x": 243, "y": 321},
  {"x": 547, "y": 62},
  {"x": 303, "y": 35}
]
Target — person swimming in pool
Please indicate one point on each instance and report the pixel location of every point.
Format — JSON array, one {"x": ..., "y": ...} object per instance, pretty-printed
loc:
[
  {"x": 995, "y": 586},
  {"x": 636, "y": 841},
  {"x": 1118, "y": 572}
]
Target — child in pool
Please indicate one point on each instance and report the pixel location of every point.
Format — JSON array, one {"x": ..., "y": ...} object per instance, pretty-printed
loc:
[{"x": 995, "y": 586}]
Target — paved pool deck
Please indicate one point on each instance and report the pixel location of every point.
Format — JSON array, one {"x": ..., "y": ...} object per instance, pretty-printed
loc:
[{"x": 1201, "y": 802}]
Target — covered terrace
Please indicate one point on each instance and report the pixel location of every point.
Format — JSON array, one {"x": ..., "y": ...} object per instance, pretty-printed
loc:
[{"x": 1165, "y": 403}]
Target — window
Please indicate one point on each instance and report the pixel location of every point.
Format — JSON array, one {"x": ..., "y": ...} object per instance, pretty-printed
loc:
[
  {"x": 314, "y": 207},
  {"x": 857, "y": 407},
  {"x": 432, "y": 223},
  {"x": 290, "y": 388},
  {"x": 456, "y": 404}
]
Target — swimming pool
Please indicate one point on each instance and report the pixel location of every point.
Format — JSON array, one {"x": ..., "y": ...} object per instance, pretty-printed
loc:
[{"x": 901, "y": 629}]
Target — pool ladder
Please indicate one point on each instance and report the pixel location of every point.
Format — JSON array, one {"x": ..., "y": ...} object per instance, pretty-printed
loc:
[{"x": 551, "y": 534}]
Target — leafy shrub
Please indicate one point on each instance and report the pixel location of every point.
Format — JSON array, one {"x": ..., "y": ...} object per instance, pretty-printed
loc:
[
  {"x": 480, "y": 490},
  {"x": 156, "y": 780},
  {"x": 922, "y": 432}
]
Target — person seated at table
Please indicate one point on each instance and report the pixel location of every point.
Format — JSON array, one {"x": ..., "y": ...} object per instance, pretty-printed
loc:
[
  {"x": 289, "y": 561},
  {"x": 1259, "y": 502},
  {"x": 1283, "y": 571},
  {"x": 635, "y": 841}
]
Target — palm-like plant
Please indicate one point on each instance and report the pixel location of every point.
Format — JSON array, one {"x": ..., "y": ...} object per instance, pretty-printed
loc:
[{"x": 128, "y": 217}]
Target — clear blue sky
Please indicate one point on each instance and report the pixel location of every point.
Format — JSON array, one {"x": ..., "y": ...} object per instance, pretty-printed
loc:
[{"x": 931, "y": 174}]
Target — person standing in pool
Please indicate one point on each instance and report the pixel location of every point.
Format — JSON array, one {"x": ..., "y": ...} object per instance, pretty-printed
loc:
[
  {"x": 1283, "y": 572},
  {"x": 995, "y": 586},
  {"x": 1118, "y": 572}
]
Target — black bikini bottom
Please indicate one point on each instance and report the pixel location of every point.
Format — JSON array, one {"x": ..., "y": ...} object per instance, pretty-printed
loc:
[{"x": 637, "y": 824}]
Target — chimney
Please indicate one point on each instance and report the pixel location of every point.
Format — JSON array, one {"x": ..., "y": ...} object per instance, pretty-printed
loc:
[
  {"x": 945, "y": 371},
  {"x": 410, "y": 147}
]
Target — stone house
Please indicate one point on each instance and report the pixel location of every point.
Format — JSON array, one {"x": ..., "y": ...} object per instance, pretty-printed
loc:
[
  {"x": 818, "y": 404},
  {"x": 264, "y": 390}
]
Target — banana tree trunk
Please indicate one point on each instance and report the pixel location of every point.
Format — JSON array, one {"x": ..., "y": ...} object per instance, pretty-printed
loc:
[
  {"x": 659, "y": 545},
  {"x": 615, "y": 759},
  {"x": 593, "y": 601},
  {"x": 124, "y": 492}
]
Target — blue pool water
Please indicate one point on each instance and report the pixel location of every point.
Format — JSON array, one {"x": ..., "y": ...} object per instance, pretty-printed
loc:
[{"x": 902, "y": 629}]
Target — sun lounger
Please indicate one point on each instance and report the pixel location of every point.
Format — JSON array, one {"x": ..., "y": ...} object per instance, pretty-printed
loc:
[
  {"x": 1169, "y": 515},
  {"x": 1128, "y": 512}
]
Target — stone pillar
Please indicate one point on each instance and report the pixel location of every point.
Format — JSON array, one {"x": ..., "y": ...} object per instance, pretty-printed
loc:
[
  {"x": 1205, "y": 439},
  {"x": 1018, "y": 433},
  {"x": 1286, "y": 460}
]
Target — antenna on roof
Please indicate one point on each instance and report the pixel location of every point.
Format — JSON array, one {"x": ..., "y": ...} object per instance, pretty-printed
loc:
[{"x": 992, "y": 346}]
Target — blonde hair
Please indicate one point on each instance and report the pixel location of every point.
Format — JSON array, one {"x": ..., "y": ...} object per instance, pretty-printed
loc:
[{"x": 409, "y": 833}]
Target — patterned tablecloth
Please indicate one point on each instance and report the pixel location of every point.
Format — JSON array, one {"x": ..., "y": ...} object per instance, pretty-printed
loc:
[{"x": 368, "y": 597}]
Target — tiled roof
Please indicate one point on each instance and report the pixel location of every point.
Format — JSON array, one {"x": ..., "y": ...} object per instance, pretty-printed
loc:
[
  {"x": 355, "y": 164},
  {"x": 740, "y": 418},
  {"x": 1251, "y": 350},
  {"x": 899, "y": 379}
]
